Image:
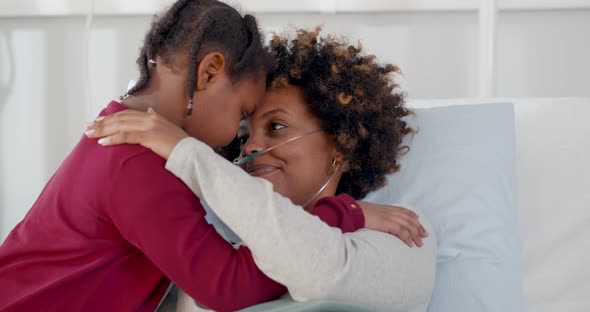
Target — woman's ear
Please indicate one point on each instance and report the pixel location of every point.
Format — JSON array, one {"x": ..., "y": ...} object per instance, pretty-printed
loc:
[
  {"x": 211, "y": 67},
  {"x": 339, "y": 162}
]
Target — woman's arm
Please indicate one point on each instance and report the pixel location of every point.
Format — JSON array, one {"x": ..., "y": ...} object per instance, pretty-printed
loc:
[{"x": 292, "y": 247}]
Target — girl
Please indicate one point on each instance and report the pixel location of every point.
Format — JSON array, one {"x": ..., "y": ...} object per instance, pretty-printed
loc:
[
  {"x": 329, "y": 125},
  {"x": 112, "y": 227}
]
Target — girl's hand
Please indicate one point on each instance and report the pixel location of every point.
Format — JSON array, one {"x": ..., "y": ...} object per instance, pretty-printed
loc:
[
  {"x": 134, "y": 127},
  {"x": 398, "y": 221}
]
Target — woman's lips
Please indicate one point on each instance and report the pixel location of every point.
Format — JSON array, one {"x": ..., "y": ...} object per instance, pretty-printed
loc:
[{"x": 261, "y": 170}]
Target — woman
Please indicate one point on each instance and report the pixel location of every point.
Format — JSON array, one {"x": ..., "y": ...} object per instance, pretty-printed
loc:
[{"x": 329, "y": 125}]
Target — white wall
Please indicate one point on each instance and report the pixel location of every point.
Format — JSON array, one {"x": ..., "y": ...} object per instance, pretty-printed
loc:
[{"x": 43, "y": 104}]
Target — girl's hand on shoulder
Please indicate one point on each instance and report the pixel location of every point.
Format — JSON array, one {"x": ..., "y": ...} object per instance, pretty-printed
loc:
[
  {"x": 148, "y": 129},
  {"x": 399, "y": 221}
]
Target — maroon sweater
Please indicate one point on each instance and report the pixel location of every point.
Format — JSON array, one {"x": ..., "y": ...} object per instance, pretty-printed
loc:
[{"x": 112, "y": 228}]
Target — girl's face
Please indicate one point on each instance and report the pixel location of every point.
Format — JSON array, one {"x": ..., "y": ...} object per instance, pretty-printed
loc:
[
  {"x": 297, "y": 169},
  {"x": 217, "y": 111}
]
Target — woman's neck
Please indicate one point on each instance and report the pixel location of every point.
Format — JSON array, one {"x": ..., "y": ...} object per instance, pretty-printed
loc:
[{"x": 328, "y": 191}]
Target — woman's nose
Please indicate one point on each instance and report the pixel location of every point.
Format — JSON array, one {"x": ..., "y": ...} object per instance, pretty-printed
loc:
[{"x": 251, "y": 146}]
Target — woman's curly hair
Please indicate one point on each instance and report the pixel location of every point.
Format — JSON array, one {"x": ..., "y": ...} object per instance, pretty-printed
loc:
[{"x": 353, "y": 97}]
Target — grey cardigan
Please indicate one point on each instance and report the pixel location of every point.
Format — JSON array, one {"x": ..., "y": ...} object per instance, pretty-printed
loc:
[{"x": 298, "y": 250}]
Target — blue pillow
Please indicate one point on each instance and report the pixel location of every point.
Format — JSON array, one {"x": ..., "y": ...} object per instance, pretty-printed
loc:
[{"x": 460, "y": 174}]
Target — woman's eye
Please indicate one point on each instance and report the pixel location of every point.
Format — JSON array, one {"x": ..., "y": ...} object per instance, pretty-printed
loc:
[{"x": 276, "y": 126}]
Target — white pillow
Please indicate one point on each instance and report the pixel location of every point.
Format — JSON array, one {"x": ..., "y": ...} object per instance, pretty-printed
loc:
[{"x": 460, "y": 173}]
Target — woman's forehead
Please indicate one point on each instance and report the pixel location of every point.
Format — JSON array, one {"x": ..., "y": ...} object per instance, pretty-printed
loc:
[{"x": 287, "y": 100}]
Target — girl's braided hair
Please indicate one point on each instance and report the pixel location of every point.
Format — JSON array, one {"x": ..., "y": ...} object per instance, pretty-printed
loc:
[{"x": 198, "y": 26}]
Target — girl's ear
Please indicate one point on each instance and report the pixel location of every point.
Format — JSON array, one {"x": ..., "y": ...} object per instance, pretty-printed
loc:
[{"x": 211, "y": 67}]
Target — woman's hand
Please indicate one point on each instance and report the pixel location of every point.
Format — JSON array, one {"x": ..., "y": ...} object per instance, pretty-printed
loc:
[
  {"x": 398, "y": 221},
  {"x": 134, "y": 127}
]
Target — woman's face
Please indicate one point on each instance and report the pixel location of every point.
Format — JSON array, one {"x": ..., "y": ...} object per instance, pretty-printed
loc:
[{"x": 297, "y": 169}]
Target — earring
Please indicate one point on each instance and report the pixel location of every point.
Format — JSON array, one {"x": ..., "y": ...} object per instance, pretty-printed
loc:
[
  {"x": 152, "y": 62},
  {"x": 190, "y": 107},
  {"x": 334, "y": 166}
]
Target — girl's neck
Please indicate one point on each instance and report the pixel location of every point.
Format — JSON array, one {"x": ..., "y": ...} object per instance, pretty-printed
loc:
[
  {"x": 143, "y": 100},
  {"x": 161, "y": 100}
]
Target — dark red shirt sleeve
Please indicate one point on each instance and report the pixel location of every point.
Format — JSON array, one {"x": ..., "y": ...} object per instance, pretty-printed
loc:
[
  {"x": 340, "y": 211},
  {"x": 160, "y": 216}
]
